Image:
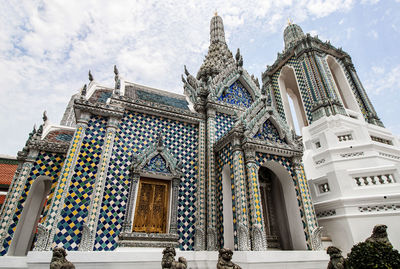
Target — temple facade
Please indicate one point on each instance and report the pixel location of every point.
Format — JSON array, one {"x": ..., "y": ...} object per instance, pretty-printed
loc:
[{"x": 130, "y": 166}]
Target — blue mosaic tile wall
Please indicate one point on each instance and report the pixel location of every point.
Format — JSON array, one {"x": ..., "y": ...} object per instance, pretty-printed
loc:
[
  {"x": 224, "y": 158},
  {"x": 77, "y": 201},
  {"x": 136, "y": 132},
  {"x": 46, "y": 164},
  {"x": 237, "y": 95},
  {"x": 269, "y": 132},
  {"x": 223, "y": 123},
  {"x": 261, "y": 158}
]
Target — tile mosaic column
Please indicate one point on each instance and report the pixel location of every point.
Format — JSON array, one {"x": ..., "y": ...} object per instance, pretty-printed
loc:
[
  {"x": 258, "y": 238},
  {"x": 127, "y": 224},
  {"x": 200, "y": 226},
  {"x": 49, "y": 228},
  {"x": 371, "y": 113},
  {"x": 16, "y": 189},
  {"x": 90, "y": 226},
  {"x": 173, "y": 226},
  {"x": 212, "y": 201},
  {"x": 239, "y": 178},
  {"x": 308, "y": 207}
]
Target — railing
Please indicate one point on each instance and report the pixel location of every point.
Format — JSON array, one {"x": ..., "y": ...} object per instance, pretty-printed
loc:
[{"x": 374, "y": 180}]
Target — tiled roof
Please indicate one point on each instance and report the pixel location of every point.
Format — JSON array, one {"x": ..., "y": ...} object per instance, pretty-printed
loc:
[{"x": 7, "y": 172}]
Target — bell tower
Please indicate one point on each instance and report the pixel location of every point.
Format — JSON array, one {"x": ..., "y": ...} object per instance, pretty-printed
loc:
[{"x": 351, "y": 160}]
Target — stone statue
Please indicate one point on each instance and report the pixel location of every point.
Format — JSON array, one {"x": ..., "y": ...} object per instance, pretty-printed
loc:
[
  {"x": 336, "y": 259},
  {"x": 168, "y": 260},
  {"x": 224, "y": 260},
  {"x": 58, "y": 261},
  {"x": 380, "y": 235}
]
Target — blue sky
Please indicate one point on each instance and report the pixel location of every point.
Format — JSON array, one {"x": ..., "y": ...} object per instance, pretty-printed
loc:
[{"x": 47, "y": 48}]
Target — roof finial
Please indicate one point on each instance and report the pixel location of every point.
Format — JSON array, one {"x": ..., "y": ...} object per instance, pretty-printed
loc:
[
  {"x": 289, "y": 22},
  {"x": 215, "y": 13}
]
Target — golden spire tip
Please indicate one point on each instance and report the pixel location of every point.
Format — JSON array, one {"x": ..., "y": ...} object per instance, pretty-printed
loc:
[{"x": 215, "y": 13}]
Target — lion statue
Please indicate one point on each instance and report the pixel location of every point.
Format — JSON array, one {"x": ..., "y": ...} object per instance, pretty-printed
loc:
[
  {"x": 58, "y": 261},
  {"x": 168, "y": 260},
  {"x": 380, "y": 235},
  {"x": 336, "y": 259},
  {"x": 224, "y": 260}
]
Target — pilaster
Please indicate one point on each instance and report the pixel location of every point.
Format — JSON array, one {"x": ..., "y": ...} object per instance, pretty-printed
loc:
[
  {"x": 90, "y": 226},
  {"x": 258, "y": 238},
  {"x": 239, "y": 177},
  {"x": 173, "y": 226},
  {"x": 309, "y": 212},
  {"x": 127, "y": 225},
  {"x": 212, "y": 202},
  {"x": 54, "y": 214},
  {"x": 15, "y": 192},
  {"x": 200, "y": 236}
]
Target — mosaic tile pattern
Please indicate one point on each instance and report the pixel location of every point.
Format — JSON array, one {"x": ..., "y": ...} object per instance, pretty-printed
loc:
[
  {"x": 223, "y": 124},
  {"x": 261, "y": 158},
  {"x": 162, "y": 99},
  {"x": 47, "y": 164},
  {"x": 237, "y": 95},
  {"x": 100, "y": 96},
  {"x": 269, "y": 132},
  {"x": 60, "y": 136},
  {"x": 157, "y": 164},
  {"x": 136, "y": 132},
  {"x": 77, "y": 201}
]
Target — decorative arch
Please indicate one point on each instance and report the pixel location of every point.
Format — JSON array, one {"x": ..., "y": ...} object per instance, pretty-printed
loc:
[
  {"x": 295, "y": 233},
  {"x": 343, "y": 87},
  {"x": 290, "y": 93},
  {"x": 158, "y": 163},
  {"x": 27, "y": 224}
]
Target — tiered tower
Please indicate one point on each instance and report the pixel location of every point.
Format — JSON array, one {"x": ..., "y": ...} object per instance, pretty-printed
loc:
[{"x": 351, "y": 160}]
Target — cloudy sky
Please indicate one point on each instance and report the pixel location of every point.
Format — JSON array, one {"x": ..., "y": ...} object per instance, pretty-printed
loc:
[{"x": 47, "y": 47}]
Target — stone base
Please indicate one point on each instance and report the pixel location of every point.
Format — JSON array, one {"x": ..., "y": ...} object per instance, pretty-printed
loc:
[
  {"x": 151, "y": 258},
  {"x": 148, "y": 240}
]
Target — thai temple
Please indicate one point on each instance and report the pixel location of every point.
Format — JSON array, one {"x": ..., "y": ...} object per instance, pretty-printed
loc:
[{"x": 131, "y": 168}]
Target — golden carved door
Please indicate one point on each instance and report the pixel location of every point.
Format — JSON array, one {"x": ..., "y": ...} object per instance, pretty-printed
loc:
[{"x": 151, "y": 213}]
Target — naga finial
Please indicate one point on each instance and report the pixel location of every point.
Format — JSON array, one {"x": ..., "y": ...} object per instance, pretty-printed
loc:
[
  {"x": 186, "y": 71},
  {"x": 116, "y": 70},
  {"x": 84, "y": 89},
  {"x": 45, "y": 118},
  {"x": 90, "y": 76}
]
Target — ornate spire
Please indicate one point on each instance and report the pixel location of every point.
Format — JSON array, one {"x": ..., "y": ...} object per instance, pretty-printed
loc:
[
  {"x": 219, "y": 56},
  {"x": 217, "y": 33},
  {"x": 292, "y": 34}
]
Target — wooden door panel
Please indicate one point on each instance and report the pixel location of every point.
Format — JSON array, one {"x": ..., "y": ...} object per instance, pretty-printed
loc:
[{"x": 151, "y": 213}]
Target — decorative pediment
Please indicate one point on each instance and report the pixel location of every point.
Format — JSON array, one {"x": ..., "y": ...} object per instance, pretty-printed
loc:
[
  {"x": 263, "y": 122},
  {"x": 156, "y": 159}
]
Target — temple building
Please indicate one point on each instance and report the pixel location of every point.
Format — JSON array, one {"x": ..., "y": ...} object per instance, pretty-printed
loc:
[{"x": 131, "y": 166}]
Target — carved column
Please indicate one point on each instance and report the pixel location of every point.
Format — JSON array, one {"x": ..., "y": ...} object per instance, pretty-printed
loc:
[
  {"x": 173, "y": 226},
  {"x": 127, "y": 225},
  {"x": 64, "y": 181},
  {"x": 200, "y": 236},
  {"x": 211, "y": 201},
  {"x": 90, "y": 226},
  {"x": 258, "y": 238},
  {"x": 14, "y": 194},
  {"x": 239, "y": 177},
  {"x": 309, "y": 212}
]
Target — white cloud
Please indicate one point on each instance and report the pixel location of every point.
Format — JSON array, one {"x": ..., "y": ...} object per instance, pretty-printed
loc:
[
  {"x": 46, "y": 48},
  {"x": 383, "y": 81}
]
